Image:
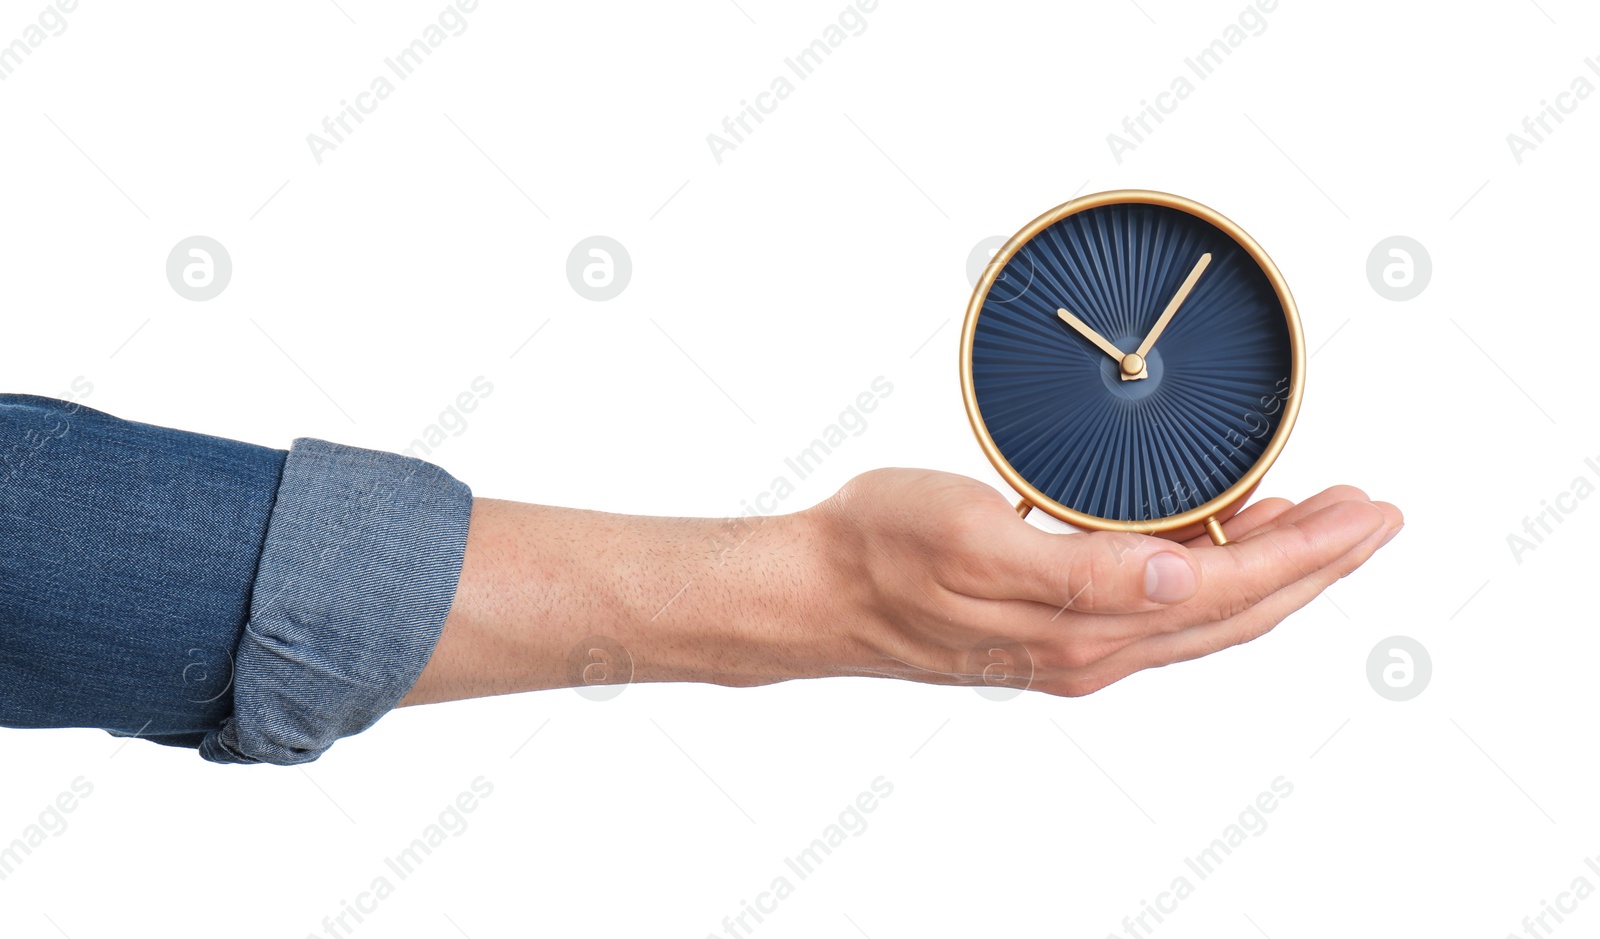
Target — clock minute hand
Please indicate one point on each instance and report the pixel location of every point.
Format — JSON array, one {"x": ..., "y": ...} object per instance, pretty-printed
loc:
[
  {"x": 1089, "y": 334},
  {"x": 1172, "y": 307}
]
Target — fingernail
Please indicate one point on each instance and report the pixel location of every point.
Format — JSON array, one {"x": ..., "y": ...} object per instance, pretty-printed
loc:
[
  {"x": 1168, "y": 578},
  {"x": 1390, "y": 537}
]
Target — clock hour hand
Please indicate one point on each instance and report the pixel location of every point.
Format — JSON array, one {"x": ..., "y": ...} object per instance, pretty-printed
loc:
[
  {"x": 1172, "y": 307},
  {"x": 1131, "y": 365},
  {"x": 1089, "y": 334}
]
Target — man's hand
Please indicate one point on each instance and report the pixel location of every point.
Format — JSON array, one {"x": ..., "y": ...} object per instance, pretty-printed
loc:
[
  {"x": 929, "y": 565},
  {"x": 903, "y": 573}
]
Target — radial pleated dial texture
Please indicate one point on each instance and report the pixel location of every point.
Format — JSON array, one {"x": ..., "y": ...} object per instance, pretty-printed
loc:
[{"x": 1056, "y": 406}]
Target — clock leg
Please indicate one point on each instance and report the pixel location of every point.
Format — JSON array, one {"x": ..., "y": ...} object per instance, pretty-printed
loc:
[
  {"x": 1214, "y": 529},
  {"x": 1024, "y": 507}
]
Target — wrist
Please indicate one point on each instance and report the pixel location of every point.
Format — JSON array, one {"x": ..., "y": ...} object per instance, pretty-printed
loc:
[{"x": 774, "y": 600}]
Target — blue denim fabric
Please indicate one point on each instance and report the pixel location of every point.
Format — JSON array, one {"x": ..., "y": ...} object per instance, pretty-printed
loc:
[{"x": 253, "y": 603}]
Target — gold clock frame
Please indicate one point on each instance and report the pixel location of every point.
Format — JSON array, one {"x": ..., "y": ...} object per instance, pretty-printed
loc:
[{"x": 1208, "y": 517}]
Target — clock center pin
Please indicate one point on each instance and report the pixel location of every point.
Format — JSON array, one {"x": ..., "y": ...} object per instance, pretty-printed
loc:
[{"x": 1149, "y": 370}]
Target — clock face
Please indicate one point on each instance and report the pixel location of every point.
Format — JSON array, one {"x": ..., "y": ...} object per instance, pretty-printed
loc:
[{"x": 1131, "y": 360}]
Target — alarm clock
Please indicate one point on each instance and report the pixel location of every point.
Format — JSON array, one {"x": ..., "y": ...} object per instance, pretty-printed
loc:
[{"x": 1132, "y": 361}]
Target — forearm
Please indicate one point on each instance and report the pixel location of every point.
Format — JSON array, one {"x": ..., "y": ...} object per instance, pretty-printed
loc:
[{"x": 728, "y": 601}]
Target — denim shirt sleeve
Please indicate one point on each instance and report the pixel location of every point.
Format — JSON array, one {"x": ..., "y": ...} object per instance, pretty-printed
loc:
[
  {"x": 252, "y": 603},
  {"x": 362, "y": 555}
]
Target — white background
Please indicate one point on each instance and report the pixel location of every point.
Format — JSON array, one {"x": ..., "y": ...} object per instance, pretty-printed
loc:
[{"x": 767, "y": 292}]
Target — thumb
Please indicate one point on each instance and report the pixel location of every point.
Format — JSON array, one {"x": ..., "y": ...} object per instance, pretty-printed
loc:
[{"x": 1095, "y": 572}]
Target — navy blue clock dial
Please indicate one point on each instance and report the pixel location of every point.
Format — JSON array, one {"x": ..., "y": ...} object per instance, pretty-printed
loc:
[{"x": 1073, "y": 420}]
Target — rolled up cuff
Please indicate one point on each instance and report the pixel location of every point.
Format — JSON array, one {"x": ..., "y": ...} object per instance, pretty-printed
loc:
[{"x": 362, "y": 556}]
